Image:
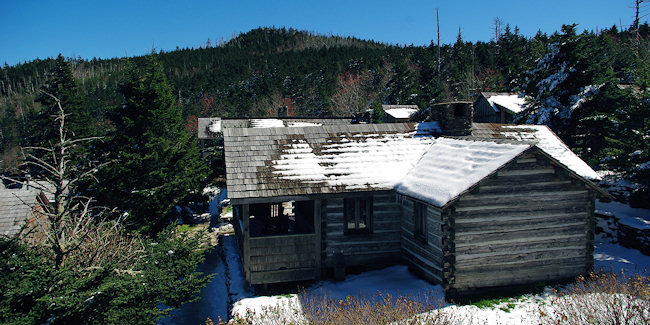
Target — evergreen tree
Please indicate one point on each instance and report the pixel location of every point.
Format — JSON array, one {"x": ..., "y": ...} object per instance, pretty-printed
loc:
[
  {"x": 157, "y": 162},
  {"x": 61, "y": 85}
]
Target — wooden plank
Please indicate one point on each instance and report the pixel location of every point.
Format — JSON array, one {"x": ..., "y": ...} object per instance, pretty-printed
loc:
[
  {"x": 282, "y": 250},
  {"x": 524, "y": 172},
  {"x": 261, "y": 259},
  {"x": 524, "y": 266},
  {"x": 471, "y": 202},
  {"x": 282, "y": 276},
  {"x": 541, "y": 221},
  {"x": 551, "y": 207},
  {"x": 519, "y": 235},
  {"x": 533, "y": 243},
  {"x": 513, "y": 277},
  {"x": 282, "y": 266},
  {"x": 288, "y": 240},
  {"x": 514, "y": 217},
  {"x": 502, "y": 258}
]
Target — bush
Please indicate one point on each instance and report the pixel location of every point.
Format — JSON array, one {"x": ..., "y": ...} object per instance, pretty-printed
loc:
[{"x": 600, "y": 298}]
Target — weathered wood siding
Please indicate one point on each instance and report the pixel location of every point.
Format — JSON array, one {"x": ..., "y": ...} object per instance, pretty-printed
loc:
[
  {"x": 425, "y": 256},
  {"x": 528, "y": 223},
  {"x": 273, "y": 259},
  {"x": 484, "y": 113},
  {"x": 282, "y": 258},
  {"x": 382, "y": 245}
]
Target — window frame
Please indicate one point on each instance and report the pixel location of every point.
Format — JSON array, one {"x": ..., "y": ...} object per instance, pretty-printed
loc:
[
  {"x": 356, "y": 203},
  {"x": 420, "y": 221}
]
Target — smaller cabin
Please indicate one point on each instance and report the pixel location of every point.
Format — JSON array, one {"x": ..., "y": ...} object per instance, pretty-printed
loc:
[
  {"x": 497, "y": 107},
  {"x": 398, "y": 113}
]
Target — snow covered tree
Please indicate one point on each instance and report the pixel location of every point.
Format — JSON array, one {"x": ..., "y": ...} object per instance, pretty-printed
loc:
[{"x": 570, "y": 74}]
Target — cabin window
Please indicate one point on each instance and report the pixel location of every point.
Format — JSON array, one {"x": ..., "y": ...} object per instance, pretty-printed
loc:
[
  {"x": 358, "y": 215},
  {"x": 284, "y": 218},
  {"x": 420, "y": 221}
]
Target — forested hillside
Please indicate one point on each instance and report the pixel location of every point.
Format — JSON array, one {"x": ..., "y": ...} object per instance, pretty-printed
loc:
[{"x": 590, "y": 87}]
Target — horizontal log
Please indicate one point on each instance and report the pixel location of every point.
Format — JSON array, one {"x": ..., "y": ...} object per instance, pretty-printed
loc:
[
  {"x": 431, "y": 275},
  {"x": 525, "y": 172},
  {"x": 531, "y": 243},
  {"x": 526, "y": 187},
  {"x": 499, "y": 259},
  {"x": 433, "y": 258},
  {"x": 283, "y": 276},
  {"x": 550, "y": 207},
  {"x": 514, "y": 217},
  {"x": 515, "y": 277},
  {"x": 479, "y": 202},
  {"x": 512, "y": 223},
  {"x": 519, "y": 235},
  {"x": 524, "y": 266}
]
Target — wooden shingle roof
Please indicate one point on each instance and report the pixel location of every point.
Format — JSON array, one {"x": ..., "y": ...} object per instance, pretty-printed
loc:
[
  {"x": 299, "y": 161},
  {"x": 15, "y": 209}
]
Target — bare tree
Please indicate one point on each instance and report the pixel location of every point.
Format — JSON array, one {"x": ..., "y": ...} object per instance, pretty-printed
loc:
[
  {"x": 352, "y": 94},
  {"x": 69, "y": 227}
]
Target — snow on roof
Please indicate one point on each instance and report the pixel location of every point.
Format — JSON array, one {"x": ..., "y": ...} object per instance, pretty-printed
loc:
[
  {"x": 402, "y": 113},
  {"x": 266, "y": 123},
  {"x": 357, "y": 161},
  {"x": 327, "y": 159},
  {"x": 302, "y": 124},
  {"x": 546, "y": 140},
  {"x": 511, "y": 102},
  {"x": 451, "y": 166}
]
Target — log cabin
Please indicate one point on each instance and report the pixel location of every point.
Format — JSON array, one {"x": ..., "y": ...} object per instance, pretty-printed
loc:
[{"x": 466, "y": 205}]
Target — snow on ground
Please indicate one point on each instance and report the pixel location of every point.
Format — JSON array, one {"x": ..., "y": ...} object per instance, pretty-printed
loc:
[
  {"x": 398, "y": 280},
  {"x": 633, "y": 217}
]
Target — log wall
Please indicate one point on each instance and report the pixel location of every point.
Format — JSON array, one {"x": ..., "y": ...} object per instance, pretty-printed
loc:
[
  {"x": 531, "y": 222},
  {"x": 381, "y": 246},
  {"x": 423, "y": 256}
]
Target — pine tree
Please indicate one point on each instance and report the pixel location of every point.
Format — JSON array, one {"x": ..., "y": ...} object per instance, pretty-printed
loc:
[
  {"x": 62, "y": 85},
  {"x": 157, "y": 162}
]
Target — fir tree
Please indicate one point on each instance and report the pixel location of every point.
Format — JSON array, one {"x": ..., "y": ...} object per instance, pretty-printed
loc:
[
  {"x": 62, "y": 85},
  {"x": 157, "y": 162}
]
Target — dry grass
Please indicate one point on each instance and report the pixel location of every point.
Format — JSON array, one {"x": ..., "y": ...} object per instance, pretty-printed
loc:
[{"x": 601, "y": 298}]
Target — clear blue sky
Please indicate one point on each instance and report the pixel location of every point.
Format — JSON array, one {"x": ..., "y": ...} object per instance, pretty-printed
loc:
[{"x": 32, "y": 29}]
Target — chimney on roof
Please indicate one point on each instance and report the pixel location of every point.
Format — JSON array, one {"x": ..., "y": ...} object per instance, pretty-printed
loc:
[{"x": 455, "y": 117}]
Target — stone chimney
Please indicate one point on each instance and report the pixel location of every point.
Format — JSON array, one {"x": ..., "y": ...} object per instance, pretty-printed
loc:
[{"x": 455, "y": 117}]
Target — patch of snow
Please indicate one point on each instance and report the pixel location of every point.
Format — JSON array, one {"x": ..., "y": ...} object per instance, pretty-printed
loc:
[
  {"x": 452, "y": 166},
  {"x": 358, "y": 161},
  {"x": 584, "y": 95},
  {"x": 302, "y": 124},
  {"x": 267, "y": 123},
  {"x": 428, "y": 128},
  {"x": 634, "y": 217},
  {"x": 401, "y": 113},
  {"x": 547, "y": 141},
  {"x": 645, "y": 165},
  {"x": 514, "y": 103}
]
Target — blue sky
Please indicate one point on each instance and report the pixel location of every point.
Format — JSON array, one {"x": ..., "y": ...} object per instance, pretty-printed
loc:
[{"x": 106, "y": 29}]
